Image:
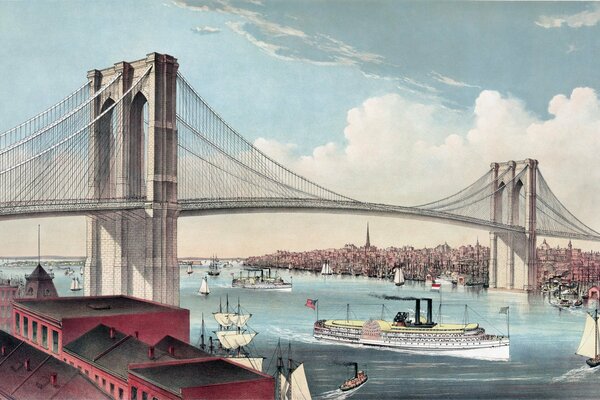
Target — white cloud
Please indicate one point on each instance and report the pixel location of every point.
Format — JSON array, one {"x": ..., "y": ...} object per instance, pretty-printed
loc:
[
  {"x": 589, "y": 17},
  {"x": 449, "y": 81},
  {"x": 205, "y": 30},
  {"x": 389, "y": 156},
  {"x": 283, "y": 41}
]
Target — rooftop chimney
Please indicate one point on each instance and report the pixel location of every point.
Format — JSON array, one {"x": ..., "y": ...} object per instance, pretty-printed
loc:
[
  {"x": 151, "y": 352},
  {"x": 3, "y": 350},
  {"x": 53, "y": 379},
  {"x": 136, "y": 334},
  {"x": 111, "y": 333},
  {"x": 172, "y": 350},
  {"x": 27, "y": 366}
]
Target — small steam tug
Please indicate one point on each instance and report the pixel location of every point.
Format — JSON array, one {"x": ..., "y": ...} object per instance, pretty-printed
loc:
[{"x": 360, "y": 377}]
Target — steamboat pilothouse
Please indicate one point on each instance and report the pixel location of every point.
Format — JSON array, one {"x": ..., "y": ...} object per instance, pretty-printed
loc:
[{"x": 422, "y": 335}]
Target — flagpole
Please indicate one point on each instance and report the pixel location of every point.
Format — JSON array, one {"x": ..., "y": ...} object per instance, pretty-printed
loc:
[
  {"x": 508, "y": 321},
  {"x": 317, "y": 309}
]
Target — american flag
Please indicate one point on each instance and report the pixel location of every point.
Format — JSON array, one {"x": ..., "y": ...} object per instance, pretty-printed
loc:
[{"x": 311, "y": 303}]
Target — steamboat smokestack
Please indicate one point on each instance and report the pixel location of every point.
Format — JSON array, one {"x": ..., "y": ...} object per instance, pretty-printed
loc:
[
  {"x": 429, "y": 311},
  {"x": 418, "y": 312}
]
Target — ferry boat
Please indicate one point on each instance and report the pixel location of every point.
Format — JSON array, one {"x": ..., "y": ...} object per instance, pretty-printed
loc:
[
  {"x": 253, "y": 280},
  {"x": 421, "y": 335},
  {"x": 360, "y": 378}
]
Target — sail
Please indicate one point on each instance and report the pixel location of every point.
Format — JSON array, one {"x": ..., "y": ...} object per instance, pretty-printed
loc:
[
  {"x": 204, "y": 287},
  {"x": 299, "y": 384},
  {"x": 73, "y": 284},
  {"x": 189, "y": 269},
  {"x": 233, "y": 340},
  {"x": 324, "y": 269},
  {"x": 283, "y": 387},
  {"x": 589, "y": 339},
  {"x": 240, "y": 320},
  {"x": 250, "y": 362},
  {"x": 224, "y": 319}
]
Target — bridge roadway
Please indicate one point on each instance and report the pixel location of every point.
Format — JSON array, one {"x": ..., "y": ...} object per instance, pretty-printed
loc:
[{"x": 199, "y": 207}]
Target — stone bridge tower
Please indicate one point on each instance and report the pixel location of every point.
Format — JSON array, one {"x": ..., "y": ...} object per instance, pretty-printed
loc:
[
  {"x": 133, "y": 150},
  {"x": 513, "y": 254}
]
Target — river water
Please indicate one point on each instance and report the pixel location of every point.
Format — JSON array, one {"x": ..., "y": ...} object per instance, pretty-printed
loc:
[{"x": 543, "y": 338}]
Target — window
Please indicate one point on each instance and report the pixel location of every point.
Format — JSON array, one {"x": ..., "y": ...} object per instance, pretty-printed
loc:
[
  {"x": 54, "y": 341},
  {"x": 144, "y": 396},
  {"x": 96, "y": 378},
  {"x": 87, "y": 372},
  {"x": 120, "y": 393},
  {"x": 44, "y": 336},
  {"x": 17, "y": 323},
  {"x": 112, "y": 389},
  {"x": 26, "y": 327},
  {"x": 133, "y": 393},
  {"x": 103, "y": 383},
  {"x": 34, "y": 331}
]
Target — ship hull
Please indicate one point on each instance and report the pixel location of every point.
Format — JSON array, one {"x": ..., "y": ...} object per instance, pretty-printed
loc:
[
  {"x": 265, "y": 287},
  {"x": 498, "y": 351},
  {"x": 593, "y": 363},
  {"x": 460, "y": 340}
]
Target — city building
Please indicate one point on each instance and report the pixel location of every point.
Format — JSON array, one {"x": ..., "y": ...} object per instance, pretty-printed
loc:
[
  {"x": 8, "y": 291},
  {"x": 128, "y": 349},
  {"x": 47, "y": 324},
  {"x": 39, "y": 284},
  {"x": 27, "y": 373}
]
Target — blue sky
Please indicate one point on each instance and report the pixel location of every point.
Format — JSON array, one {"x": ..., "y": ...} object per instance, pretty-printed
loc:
[{"x": 385, "y": 93}]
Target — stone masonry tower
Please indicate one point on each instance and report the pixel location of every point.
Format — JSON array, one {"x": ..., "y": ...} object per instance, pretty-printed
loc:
[
  {"x": 513, "y": 254},
  {"x": 133, "y": 152}
]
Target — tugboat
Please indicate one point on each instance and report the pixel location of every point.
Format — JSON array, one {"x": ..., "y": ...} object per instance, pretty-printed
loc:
[
  {"x": 360, "y": 377},
  {"x": 588, "y": 347}
]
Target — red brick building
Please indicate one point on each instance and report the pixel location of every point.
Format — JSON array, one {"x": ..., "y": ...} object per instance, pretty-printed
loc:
[
  {"x": 8, "y": 291},
  {"x": 132, "y": 349},
  {"x": 48, "y": 323}
]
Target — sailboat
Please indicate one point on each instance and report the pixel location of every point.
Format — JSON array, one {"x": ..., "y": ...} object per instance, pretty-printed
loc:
[
  {"x": 213, "y": 268},
  {"x": 326, "y": 269},
  {"x": 204, "y": 290},
  {"x": 588, "y": 347},
  {"x": 75, "y": 285},
  {"x": 234, "y": 335},
  {"x": 399, "y": 277},
  {"x": 290, "y": 382},
  {"x": 190, "y": 269}
]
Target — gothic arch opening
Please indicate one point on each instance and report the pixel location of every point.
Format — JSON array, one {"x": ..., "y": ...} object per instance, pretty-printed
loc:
[
  {"x": 137, "y": 141},
  {"x": 105, "y": 151},
  {"x": 518, "y": 204},
  {"x": 499, "y": 202}
]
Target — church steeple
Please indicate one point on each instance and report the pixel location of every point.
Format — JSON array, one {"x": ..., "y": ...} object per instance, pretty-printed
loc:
[{"x": 368, "y": 244}]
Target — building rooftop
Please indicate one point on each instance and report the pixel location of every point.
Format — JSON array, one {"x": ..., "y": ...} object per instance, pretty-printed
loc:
[
  {"x": 76, "y": 307},
  {"x": 115, "y": 354},
  {"x": 180, "y": 349},
  {"x": 197, "y": 373},
  {"x": 33, "y": 381}
]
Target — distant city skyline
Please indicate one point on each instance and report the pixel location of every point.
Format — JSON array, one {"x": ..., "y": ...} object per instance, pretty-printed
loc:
[{"x": 395, "y": 102}]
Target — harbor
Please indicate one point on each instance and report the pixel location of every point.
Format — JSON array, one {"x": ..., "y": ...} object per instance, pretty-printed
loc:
[{"x": 543, "y": 339}]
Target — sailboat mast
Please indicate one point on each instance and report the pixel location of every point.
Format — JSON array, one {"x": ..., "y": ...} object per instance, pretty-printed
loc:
[
  {"x": 596, "y": 338},
  {"x": 39, "y": 253},
  {"x": 347, "y": 312},
  {"x": 202, "y": 346}
]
